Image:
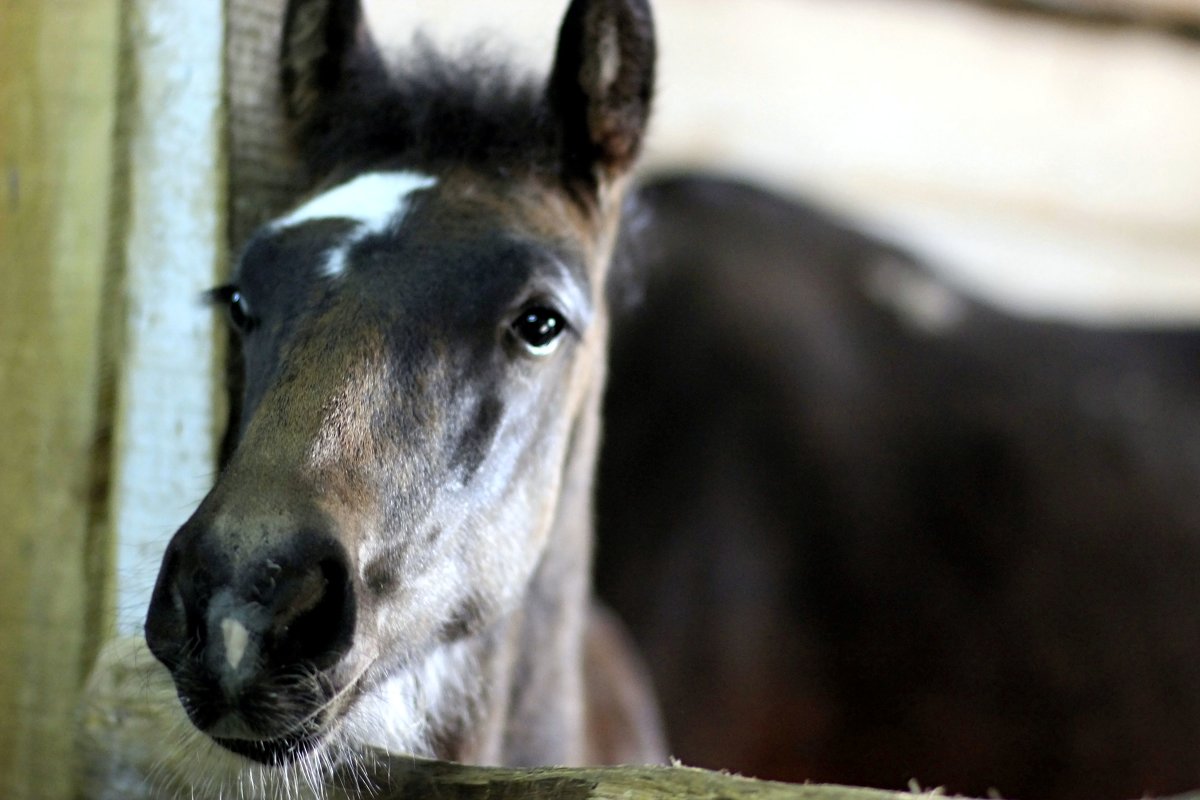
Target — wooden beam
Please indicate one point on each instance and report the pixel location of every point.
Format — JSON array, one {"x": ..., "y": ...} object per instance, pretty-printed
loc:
[
  {"x": 396, "y": 778},
  {"x": 111, "y": 190},
  {"x": 1178, "y": 18},
  {"x": 167, "y": 402},
  {"x": 264, "y": 177},
  {"x": 58, "y": 91}
]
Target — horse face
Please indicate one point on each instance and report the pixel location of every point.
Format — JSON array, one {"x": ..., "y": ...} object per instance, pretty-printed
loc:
[
  {"x": 416, "y": 351},
  {"x": 422, "y": 343}
]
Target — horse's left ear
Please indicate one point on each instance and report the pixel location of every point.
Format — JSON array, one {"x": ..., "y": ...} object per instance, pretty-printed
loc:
[{"x": 601, "y": 84}]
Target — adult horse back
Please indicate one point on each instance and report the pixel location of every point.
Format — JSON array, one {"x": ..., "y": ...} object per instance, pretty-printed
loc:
[
  {"x": 397, "y": 551},
  {"x": 867, "y": 529}
]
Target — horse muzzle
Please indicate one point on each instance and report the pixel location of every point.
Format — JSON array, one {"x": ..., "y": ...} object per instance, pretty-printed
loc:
[{"x": 256, "y": 625}]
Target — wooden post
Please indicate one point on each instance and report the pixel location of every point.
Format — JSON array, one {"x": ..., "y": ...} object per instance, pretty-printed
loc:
[
  {"x": 111, "y": 224},
  {"x": 58, "y": 90},
  {"x": 172, "y": 248}
]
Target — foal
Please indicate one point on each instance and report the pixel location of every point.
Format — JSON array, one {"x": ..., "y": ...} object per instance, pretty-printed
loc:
[{"x": 397, "y": 551}]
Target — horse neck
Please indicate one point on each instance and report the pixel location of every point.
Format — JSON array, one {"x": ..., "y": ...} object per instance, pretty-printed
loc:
[{"x": 533, "y": 707}]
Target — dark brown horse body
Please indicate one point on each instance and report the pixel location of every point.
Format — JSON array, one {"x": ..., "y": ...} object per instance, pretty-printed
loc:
[{"x": 868, "y": 530}]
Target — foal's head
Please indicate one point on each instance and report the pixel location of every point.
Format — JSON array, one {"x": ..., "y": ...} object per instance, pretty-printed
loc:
[{"x": 423, "y": 342}]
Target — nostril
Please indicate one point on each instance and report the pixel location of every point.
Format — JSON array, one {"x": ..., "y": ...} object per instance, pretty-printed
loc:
[
  {"x": 264, "y": 586},
  {"x": 314, "y": 615},
  {"x": 172, "y": 620}
]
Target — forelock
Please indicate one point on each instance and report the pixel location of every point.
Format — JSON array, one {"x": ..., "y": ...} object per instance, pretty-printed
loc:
[{"x": 431, "y": 111}]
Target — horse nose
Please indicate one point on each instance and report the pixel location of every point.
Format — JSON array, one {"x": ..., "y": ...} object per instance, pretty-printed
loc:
[
  {"x": 237, "y": 612},
  {"x": 284, "y": 615}
]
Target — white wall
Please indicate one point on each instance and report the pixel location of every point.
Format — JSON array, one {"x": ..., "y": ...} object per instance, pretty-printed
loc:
[{"x": 1052, "y": 167}]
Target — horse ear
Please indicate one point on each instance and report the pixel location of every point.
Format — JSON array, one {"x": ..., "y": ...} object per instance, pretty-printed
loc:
[
  {"x": 601, "y": 84},
  {"x": 327, "y": 56}
]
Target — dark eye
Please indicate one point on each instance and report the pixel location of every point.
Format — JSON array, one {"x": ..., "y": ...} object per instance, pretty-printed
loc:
[
  {"x": 236, "y": 306},
  {"x": 538, "y": 328}
]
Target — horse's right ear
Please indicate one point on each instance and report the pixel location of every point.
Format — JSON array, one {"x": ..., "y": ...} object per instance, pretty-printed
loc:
[{"x": 327, "y": 58}]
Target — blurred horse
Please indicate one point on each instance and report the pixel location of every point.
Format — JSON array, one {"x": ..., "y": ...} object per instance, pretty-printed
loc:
[{"x": 867, "y": 529}]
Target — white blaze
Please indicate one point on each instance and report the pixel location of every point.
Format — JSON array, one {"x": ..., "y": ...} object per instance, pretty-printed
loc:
[
  {"x": 236, "y": 637},
  {"x": 376, "y": 201},
  {"x": 373, "y": 200}
]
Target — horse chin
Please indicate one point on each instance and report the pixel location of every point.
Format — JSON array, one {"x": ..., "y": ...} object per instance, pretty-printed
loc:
[
  {"x": 317, "y": 730},
  {"x": 275, "y": 752}
]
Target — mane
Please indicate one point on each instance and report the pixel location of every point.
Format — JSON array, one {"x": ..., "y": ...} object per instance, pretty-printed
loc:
[{"x": 432, "y": 109}]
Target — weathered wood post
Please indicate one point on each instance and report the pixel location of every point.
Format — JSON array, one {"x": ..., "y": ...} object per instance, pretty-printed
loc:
[
  {"x": 58, "y": 88},
  {"x": 111, "y": 210}
]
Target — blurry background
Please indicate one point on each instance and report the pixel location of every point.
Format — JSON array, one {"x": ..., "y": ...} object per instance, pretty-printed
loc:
[{"x": 1046, "y": 154}]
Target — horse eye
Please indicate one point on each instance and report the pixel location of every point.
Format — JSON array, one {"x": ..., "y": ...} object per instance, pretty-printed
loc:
[
  {"x": 539, "y": 328},
  {"x": 236, "y": 307}
]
